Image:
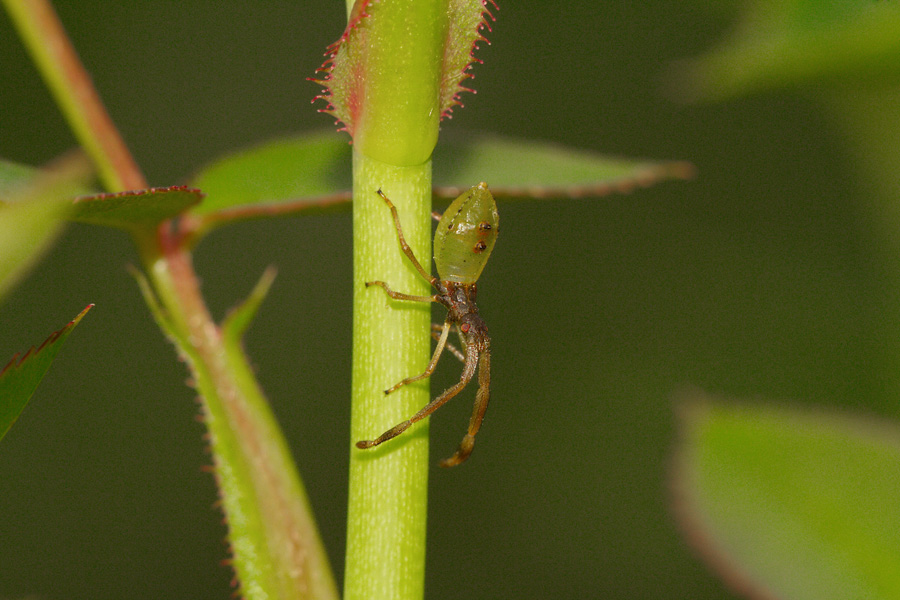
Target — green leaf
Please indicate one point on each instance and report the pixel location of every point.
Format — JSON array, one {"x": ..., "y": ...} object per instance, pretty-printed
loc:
[
  {"x": 311, "y": 173},
  {"x": 27, "y": 230},
  {"x": 239, "y": 319},
  {"x": 13, "y": 176},
  {"x": 33, "y": 207},
  {"x": 21, "y": 376},
  {"x": 800, "y": 43},
  {"x": 138, "y": 209},
  {"x": 528, "y": 169},
  {"x": 789, "y": 503},
  {"x": 290, "y": 170}
]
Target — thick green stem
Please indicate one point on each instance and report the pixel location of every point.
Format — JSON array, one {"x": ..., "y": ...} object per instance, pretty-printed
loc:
[
  {"x": 391, "y": 341},
  {"x": 387, "y": 81}
]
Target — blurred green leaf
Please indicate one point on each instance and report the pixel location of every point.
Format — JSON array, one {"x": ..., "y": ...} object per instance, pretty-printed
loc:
[
  {"x": 530, "y": 169},
  {"x": 33, "y": 207},
  {"x": 312, "y": 173},
  {"x": 303, "y": 167},
  {"x": 27, "y": 229},
  {"x": 789, "y": 503},
  {"x": 21, "y": 376},
  {"x": 800, "y": 43},
  {"x": 13, "y": 176},
  {"x": 135, "y": 209}
]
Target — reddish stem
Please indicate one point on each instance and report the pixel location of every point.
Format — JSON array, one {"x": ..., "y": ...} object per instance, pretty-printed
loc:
[{"x": 77, "y": 84}]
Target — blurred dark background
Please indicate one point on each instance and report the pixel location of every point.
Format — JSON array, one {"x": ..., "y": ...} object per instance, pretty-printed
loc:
[{"x": 759, "y": 279}]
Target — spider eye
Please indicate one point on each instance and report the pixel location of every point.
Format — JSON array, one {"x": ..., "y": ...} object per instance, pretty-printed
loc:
[{"x": 465, "y": 327}]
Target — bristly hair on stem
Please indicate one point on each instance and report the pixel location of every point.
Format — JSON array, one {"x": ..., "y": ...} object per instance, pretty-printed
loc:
[
  {"x": 343, "y": 115},
  {"x": 466, "y": 27},
  {"x": 343, "y": 71}
]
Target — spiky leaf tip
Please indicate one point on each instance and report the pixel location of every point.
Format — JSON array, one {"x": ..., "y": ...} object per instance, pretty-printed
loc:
[{"x": 22, "y": 374}]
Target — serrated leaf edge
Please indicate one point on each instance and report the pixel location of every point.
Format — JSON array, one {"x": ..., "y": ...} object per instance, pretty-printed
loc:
[
  {"x": 16, "y": 362},
  {"x": 96, "y": 201}
]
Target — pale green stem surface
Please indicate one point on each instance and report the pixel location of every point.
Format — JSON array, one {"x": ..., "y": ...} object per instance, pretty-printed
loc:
[{"x": 391, "y": 341}]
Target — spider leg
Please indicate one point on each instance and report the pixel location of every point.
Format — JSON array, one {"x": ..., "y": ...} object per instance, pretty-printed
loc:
[
  {"x": 403, "y": 245},
  {"x": 442, "y": 340},
  {"x": 481, "y": 403},
  {"x": 465, "y": 378},
  {"x": 401, "y": 295},
  {"x": 434, "y": 333}
]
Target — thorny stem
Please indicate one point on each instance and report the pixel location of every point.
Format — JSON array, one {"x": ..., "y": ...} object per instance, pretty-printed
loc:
[
  {"x": 280, "y": 554},
  {"x": 276, "y": 547}
]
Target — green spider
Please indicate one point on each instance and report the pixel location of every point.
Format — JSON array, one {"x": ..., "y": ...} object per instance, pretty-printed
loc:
[{"x": 462, "y": 244}]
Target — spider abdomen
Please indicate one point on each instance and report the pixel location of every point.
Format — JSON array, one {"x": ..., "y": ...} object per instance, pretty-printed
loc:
[{"x": 466, "y": 235}]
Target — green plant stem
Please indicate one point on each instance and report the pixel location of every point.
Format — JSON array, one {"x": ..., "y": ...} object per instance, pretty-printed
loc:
[
  {"x": 277, "y": 550},
  {"x": 276, "y": 547},
  {"x": 71, "y": 86},
  {"x": 391, "y": 341}
]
